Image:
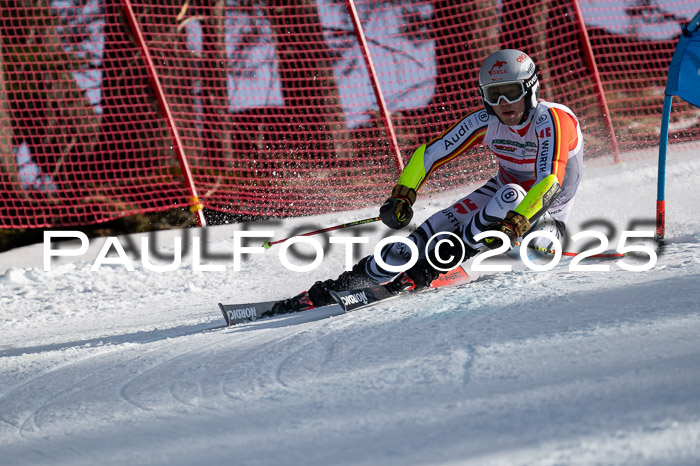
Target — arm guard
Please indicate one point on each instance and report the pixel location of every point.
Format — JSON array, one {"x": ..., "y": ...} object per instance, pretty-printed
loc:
[
  {"x": 539, "y": 198},
  {"x": 413, "y": 173}
]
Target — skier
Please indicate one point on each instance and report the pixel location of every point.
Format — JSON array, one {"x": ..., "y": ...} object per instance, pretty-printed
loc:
[{"x": 539, "y": 149}]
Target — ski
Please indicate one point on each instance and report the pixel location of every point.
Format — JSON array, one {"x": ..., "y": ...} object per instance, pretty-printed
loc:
[
  {"x": 352, "y": 300},
  {"x": 456, "y": 276},
  {"x": 362, "y": 297},
  {"x": 246, "y": 312},
  {"x": 237, "y": 313}
]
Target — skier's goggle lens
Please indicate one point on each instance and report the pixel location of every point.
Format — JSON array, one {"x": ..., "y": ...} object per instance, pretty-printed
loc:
[{"x": 511, "y": 92}]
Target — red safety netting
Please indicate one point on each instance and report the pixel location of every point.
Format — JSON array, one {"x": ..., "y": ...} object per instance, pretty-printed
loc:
[{"x": 272, "y": 107}]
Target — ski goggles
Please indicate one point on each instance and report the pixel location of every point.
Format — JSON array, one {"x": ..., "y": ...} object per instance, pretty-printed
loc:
[{"x": 510, "y": 91}]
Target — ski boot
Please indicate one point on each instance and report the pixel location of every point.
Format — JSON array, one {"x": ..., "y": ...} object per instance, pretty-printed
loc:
[
  {"x": 298, "y": 303},
  {"x": 418, "y": 277},
  {"x": 319, "y": 294}
]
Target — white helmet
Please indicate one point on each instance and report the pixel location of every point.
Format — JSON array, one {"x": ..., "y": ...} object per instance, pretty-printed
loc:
[{"x": 508, "y": 74}]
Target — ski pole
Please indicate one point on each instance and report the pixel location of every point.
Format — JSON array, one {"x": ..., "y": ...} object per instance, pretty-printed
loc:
[
  {"x": 573, "y": 254},
  {"x": 268, "y": 244}
]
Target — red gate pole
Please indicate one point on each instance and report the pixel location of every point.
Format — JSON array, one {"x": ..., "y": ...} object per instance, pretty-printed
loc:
[
  {"x": 386, "y": 117},
  {"x": 590, "y": 60},
  {"x": 195, "y": 204}
]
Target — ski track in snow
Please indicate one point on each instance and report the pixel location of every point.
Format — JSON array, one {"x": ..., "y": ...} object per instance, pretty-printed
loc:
[{"x": 521, "y": 367}]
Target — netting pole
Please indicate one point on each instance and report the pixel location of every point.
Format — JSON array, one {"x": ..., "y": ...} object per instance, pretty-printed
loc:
[
  {"x": 590, "y": 61},
  {"x": 195, "y": 204},
  {"x": 386, "y": 117},
  {"x": 661, "y": 172}
]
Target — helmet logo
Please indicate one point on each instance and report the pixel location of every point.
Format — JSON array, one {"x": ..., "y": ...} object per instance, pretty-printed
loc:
[
  {"x": 499, "y": 64},
  {"x": 531, "y": 82}
]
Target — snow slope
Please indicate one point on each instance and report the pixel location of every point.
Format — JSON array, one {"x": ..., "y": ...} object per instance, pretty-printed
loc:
[{"x": 524, "y": 367}]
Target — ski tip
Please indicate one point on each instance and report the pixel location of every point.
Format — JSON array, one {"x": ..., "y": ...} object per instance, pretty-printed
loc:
[
  {"x": 455, "y": 276},
  {"x": 226, "y": 317},
  {"x": 336, "y": 298}
]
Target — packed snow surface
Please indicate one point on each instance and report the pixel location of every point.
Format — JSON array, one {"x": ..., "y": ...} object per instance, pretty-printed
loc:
[{"x": 103, "y": 365}]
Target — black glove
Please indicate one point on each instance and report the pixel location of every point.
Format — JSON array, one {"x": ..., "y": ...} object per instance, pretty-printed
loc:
[
  {"x": 514, "y": 226},
  {"x": 396, "y": 212}
]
